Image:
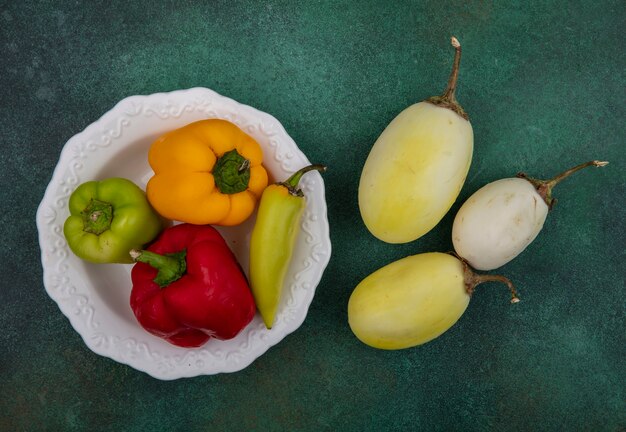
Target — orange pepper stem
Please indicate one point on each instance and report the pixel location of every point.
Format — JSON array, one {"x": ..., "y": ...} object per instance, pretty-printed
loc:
[
  {"x": 232, "y": 173},
  {"x": 292, "y": 182}
]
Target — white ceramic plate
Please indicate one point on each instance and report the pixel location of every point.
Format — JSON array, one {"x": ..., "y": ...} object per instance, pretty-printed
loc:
[{"x": 95, "y": 297}]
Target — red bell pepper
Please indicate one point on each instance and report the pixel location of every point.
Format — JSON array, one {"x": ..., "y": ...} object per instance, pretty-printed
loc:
[{"x": 188, "y": 287}]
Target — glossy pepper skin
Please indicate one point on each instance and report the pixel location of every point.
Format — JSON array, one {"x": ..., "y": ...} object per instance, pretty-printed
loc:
[
  {"x": 107, "y": 219},
  {"x": 198, "y": 292},
  {"x": 208, "y": 172},
  {"x": 273, "y": 240}
]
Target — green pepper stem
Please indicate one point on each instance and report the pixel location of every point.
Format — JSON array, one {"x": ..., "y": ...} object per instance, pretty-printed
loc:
[
  {"x": 97, "y": 216},
  {"x": 545, "y": 187},
  {"x": 171, "y": 267}
]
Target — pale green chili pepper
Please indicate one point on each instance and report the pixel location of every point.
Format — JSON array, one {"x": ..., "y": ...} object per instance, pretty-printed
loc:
[{"x": 273, "y": 241}]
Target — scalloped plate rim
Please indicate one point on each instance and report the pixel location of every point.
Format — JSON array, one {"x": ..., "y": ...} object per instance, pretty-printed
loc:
[{"x": 73, "y": 319}]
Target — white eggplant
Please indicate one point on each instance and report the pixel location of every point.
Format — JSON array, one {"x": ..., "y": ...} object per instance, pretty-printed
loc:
[{"x": 502, "y": 218}]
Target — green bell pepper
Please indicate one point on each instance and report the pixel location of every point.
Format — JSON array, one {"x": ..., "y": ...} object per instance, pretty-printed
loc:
[{"x": 107, "y": 219}]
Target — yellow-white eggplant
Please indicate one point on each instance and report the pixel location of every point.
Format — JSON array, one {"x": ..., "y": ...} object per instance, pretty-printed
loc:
[
  {"x": 414, "y": 300},
  {"x": 501, "y": 219},
  {"x": 417, "y": 167}
]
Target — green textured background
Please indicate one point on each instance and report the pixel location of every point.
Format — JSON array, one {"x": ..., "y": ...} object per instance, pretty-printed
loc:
[{"x": 544, "y": 85}]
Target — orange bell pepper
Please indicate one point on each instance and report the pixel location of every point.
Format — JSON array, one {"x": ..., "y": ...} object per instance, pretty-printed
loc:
[{"x": 208, "y": 172}]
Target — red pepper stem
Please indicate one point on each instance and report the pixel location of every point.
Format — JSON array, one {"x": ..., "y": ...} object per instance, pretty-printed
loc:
[
  {"x": 171, "y": 267},
  {"x": 292, "y": 182}
]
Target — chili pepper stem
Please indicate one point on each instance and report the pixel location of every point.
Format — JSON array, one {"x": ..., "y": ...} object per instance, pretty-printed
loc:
[
  {"x": 171, "y": 267},
  {"x": 292, "y": 182}
]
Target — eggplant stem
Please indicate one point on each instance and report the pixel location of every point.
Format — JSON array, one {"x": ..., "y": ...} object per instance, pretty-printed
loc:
[
  {"x": 448, "y": 98},
  {"x": 544, "y": 187},
  {"x": 478, "y": 279},
  {"x": 449, "y": 94},
  {"x": 472, "y": 280},
  {"x": 553, "y": 182}
]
